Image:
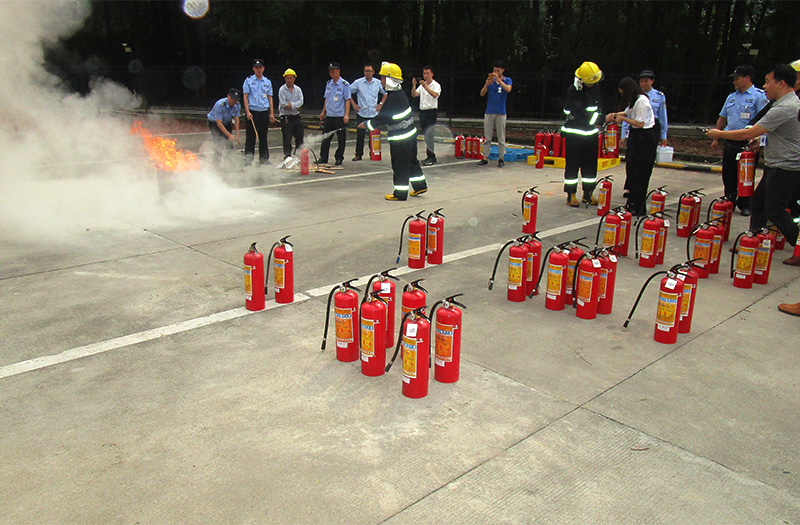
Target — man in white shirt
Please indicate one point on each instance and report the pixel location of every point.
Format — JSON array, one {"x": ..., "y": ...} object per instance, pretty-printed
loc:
[{"x": 428, "y": 92}]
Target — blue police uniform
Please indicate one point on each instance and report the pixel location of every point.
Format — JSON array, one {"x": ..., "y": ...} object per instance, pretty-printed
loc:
[
  {"x": 337, "y": 95},
  {"x": 225, "y": 113},
  {"x": 258, "y": 93},
  {"x": 658, "y": 101}
]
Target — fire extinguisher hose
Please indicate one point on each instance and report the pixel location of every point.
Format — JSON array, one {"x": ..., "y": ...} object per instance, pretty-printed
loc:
[
  {"x": 638, "y": 297},
  {"x": 345, "y": 285},
  {"x": 497, "y": 261},
  {"x": 735, "y": 250},
  {"x": 600, "y": 226},
  {"x": 399, "y": 341},
  {"x": 575, "y": 279}
]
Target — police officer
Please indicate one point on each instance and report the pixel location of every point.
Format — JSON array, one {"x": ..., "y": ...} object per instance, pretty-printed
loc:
[
  {"x": 583, "y": 108},
  {"x": 396, "y": 118},
  {"x": 658, "y": 101},
  {"x": 739, "y": 108},
  {"x": 257, "y": 91},
  {"x": 335, "y": 113},
  {"x": 223, "y": 119}
]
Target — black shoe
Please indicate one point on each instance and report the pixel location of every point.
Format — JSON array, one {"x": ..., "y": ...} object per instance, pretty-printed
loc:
[
  {"x": 321, "y": 161},
  {"x": 482, "y": 162},
  {"x": 338, "y": 163},
  {"x": 356, "y": 158},
  {"x": 430, "y": 161},
  {"x": 264, "y": 162},
  {"x": 745, "y": 212},
  {"x": 501, "y": 163}
]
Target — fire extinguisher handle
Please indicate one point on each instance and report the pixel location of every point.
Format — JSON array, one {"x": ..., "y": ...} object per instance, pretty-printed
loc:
[
  {"x": 252, "y": 248},
  {"x": 284, "y": 241},
  {"x": 386, "y": 274}
]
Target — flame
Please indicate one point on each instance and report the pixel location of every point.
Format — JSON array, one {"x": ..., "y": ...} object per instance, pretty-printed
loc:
[{"x": 163, "y": 151}]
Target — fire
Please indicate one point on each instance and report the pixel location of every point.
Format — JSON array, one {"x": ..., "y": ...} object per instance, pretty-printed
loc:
[{"x": 163, "y": 151}]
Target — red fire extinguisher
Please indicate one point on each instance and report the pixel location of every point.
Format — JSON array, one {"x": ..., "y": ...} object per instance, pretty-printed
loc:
[
  {"x": 575, "y": 253},
  {"x": 541, "y": 153},
  {"x": 345, "y": 306},
  {"x": 304, "y": 162},
  {"x": 670, "y": 297},
  {"x": 534, "y": 259},
  {"x": 796, "y": 251},
  {"x": 373, "y": 334},
  {"x": 658, "y": 199},
  {"x": 608, "y": 279},
  {"x": 538, "y": 139},
  {"x": 447, "y": 339},
  {"x": 780, "y": 240},
  {"x": 557, "y": 261},
  {"x": 650, "y": 235},
  {"x": 763, "y": 262},
  {"x": 417, "y": 232},
  {"x": 626, "y": 226},
  {"x": 687, "y": 273},
  {"x": 556, "y": 145},
  {"x": 697, "y": 206},
  {"x": 604, "y": 196},
  {"x": 415, "y": 341},
  {"x": 744, "y": 253},
  {"x": 703, "y": 241},
  {"x": 612, "y": 136},
  {"x": 414, "y": 297},
  {"x": 663, "y": 230},
  {"x": 468, "y": 147},
  {"x": 374, "y": 145},
  {"x": 718, "y": 230},
  {"x": 585, "y": 290},
  {"x": 254, "y": 279},
  {"x": 283, "y": 271},
  {"x": 459, "y": 146},
  {"x": 686, "y": 212},
  {"x": 517, "y": 268},
  {"x": 530, "y": 207},
  {"x": 747, "y": 173},
  {"x": 479, "y": 148},
  {"x": 721, "y": 209},
  {"x": 434, "y": 246},
  {"x": 611, "y": 225},
  {"x": 382, "y": 284}
]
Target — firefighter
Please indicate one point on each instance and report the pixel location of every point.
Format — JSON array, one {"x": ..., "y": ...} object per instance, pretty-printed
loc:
[
  {"x": 395, "y": 117},
  {"x": 583, "y": 109}
]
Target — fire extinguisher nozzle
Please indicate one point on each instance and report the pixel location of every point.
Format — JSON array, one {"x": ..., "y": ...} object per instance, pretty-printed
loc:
[
  {"x": 491, "y": 284},
  {"x": 398, "y": 260},
  {"x": 323, "y": 345},
  {"x": 625, "y": 324}
]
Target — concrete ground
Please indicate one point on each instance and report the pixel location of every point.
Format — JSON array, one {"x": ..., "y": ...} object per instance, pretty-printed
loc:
[{"x": 135, "y": 388}]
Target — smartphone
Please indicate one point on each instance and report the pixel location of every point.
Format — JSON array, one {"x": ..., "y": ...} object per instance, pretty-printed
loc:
[{"x": 702, "y": 130}]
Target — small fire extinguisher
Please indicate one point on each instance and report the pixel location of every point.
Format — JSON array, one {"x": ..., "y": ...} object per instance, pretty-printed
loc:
[
  {"x": 447, "y": 339},
  {"x": 556, "y": 145},
  {"x": 744, "y": 253},
  {"x": 517, "y": 268},
  {"x": 375, "y": 145},
  {"x": 697, "y": 206},
  {"x": 701, "y": 255},
  {"x": 608, "y": 278},
  {"x": 718, "y": 230},
  {"x": 386, "y": 290},
  {"x": 556, "y": 261},
  {"x": 417, "y": 233},
  {"x": 414, "y": 297},
  {"x": 746, "y": 163},
  {"x": 283, "y": 271},
  {"x": 650, "y": 236},
  {"x": 658, "y": 199},
  {"x": 668, "y": 311},
  {"x": 663, "y": 230},
  {"x": 534, "y": 244},
  {"x": 763, "y": 261},
  {"x": 255, "y": 299},
  {"x": 604, "y": 195},
  {"x": 479, "y": 146},
  {"x": 434, "y": 245},
  {"x": 611, "y": 226},
  {"x": 304, "y": 162},
  {"x": 687, "y": 273},
  {"x": 345, "y": 304},
  {"x": 415, "y": 341},
  {"x": 721, "y": 209},
  {"x": 372, "y": 335},
  {"x": 612, "y": 135},
  {"x": 541, "y": 153},
  {"x": 530, "y": 207},
  {"x": 459, "y": 146},
  {"x": 586, "y": 287},
  {"x": 688, "y": 212}
]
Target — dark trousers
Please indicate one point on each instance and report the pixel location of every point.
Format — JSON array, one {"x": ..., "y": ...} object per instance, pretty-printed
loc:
[
  {"x": 730, "y": 171},
  {"x": 330, "y": 124},
  {"x": 291, "y": 127},
  {"x": 360, "y": 134},
  {"x": 639, "y": 159},
  {"x": 219, "y": 139},
  {"x": 770, "y": 200},
  {"x": 261, "y": 122},
  {"x": 581, "y": 154},
  {"x": 427, "y": 119},
  {"x": 405, "y": 167},
  {"x": 657, "y": 128}
]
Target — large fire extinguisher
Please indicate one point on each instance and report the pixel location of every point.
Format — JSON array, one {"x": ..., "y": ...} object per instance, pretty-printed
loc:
[
  {"x": 651, "y": 231},
  {"x": 687, "y": 273},
  {"x": 417, "y": 235},
  {"x": 459, "y": 146},
  {"x": 747, "y": 173},
  {"x": 763, "y": 262},
  {"x": 612, "y": 136},
  {"x": 604, "y": 196},
  {"x": 414, "y": 297},
  {"x": 608, "y": 279},
  {"x": 434, "y": 245},
  {"x": 283, "y": 271},
  {"x": 703, "y": 242},
  {"x": 374, "y": 145},
  {"x": 744, "y": 253},
  {"x": 304, "y": 162},
  {"x": 721, "y": 209},
  {"x": 534, "y": 259},
  {"x": 658, "y": 199},
  {"x": 386, "y": 289},
  {"x": 373, "y": 334},
  {"x": 530, "y": 207},
  {"x": 517, "y": 268},
  {"x": 255, "y": 299},
  {"x": 345, "y": 305},
  {"x": 415, "y": 341},
  {"x": 447, "y": 339},
  {"x": 586, "y": 287},
  {"x": 668, "y": 311},
  {"x": 556, "y": 261}
]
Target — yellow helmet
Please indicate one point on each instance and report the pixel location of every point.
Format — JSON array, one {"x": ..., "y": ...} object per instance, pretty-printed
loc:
[
  {"x": 289, "y": 71},
  {"x": 589, "y": 73},
  {"x": 796, "y": 65},
  {"x": 389, "y": 69}
]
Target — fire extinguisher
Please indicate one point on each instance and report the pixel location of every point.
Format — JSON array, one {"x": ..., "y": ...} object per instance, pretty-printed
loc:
[
  {"x": 686, "y": 212},
  {"x": 541, "y": 153},
  {"x": 575, "y": 253},
  {"x": 796, "y": 251},
  {"x": 345, "y": 305},
  {"x": 780, "y": 240},
  {"x": 608, "y": 279},
  {"x": 534, "y": 259},
  {"x": 663, "y": 230},
  {"x": 304, "y": 162},
  {"x": 374, "y": 145},
  {"x": 557, "y": 261},
  {"x": 697, "y": 206},
  {"x": 373, "y": 334},
  {"x": 747, "y": 172},
  {"x": 604, "y": 196},
  {"x": 386, "y": 290},
  {"x": 626, "y": 226},
  {"x": 611, "y": 225},
  {"x": 687, "y": 273},
  {"x": 530, "y": 207},
  {"x": 718, "y": 230},
  {"x": 658, "y": 199},
  {"x": 744, "y": 253},
  {"x": 283, "y": 271},
  {"x": 670, "y": 298},
  {"x": 517, "y": 268},
  {"x": 417, "y": 231},
  {"x": 414, "y": 297},
  {"x": 650, "y": 236},
  {"x": 556, "y": 145},
  {"x": 434, "y": 246},
  {"x": 703, "y": 241},
  {"x": 721, "y": 209},
  {"x": 468, "y": 147},
  {"x": 415, "y": 340},
  {"x": 447, "y": 339},
  {"x": 763, "y": 262},
  {"x": 585, "y": 289},
  {"x": 479, "y": 147},
  {"x": 612, "y": 135},
  {"x": 537, "y": 140},
  {"x": 459, "y": 146},
  {"x": 548, "y": 143},
  {"x": 255, "y": 299},
  {"x": 601, "y": 154}
]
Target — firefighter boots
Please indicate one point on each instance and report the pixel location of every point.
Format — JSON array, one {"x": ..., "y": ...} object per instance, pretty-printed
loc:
[{"x": 572, "y": 200}]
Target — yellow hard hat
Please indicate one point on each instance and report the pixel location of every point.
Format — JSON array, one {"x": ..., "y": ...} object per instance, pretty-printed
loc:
[
  {"x": 289, "y": 71},
  {"x": 796, "y": 65},
  {"x": 389, "y": 69},
  {"x": 589, "y": 73}
]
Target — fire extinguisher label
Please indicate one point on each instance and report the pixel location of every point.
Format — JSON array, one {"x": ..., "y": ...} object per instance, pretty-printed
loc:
[
  {"x": 610, "y": 234},
  {"x": 716, "y": 246},
  {"x": 344, "y": 325},
  {"x": 409, "y": 358},
  {"x": 648, "y": 242},
  {"x": 744, "y": 263},
  {"x": 603, "y": 283},
  {"x": 687, "y": 299},
  {"x": 702, "y": 248},
  {"x": 514, "y": 272},
  {"x": 248, "y": 282},
  {"x": 280, "y": 273},
  {"x": 684, "y": 215},
  {"x": 555, "y": 274},
  {"x": 584, "y": 290},
  {"x": 601, "y": 198},
  {"x": 762, "y": 257},
  {"x": 414, "y": 245},
  {"x": 431, "y": 238},
  {"x": 529, "y": 272},
  {"x": 662, "y": 238},
  {"x": 526, "y": 212},
  {"x": 444, "y": 343},
  {"x": 367, "y": 339},
  {"x": 667, "y": 309}
]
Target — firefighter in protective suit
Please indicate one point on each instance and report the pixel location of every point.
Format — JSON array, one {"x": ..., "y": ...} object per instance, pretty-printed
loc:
[
  {"x": 395, "y": 117},
  {"x": 583, "y": 109}
]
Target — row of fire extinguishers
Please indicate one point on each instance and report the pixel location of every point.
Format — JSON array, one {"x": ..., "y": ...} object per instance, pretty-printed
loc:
[
  {"x": 469, "y": 147},
  {"x": 365, "y": 330}
]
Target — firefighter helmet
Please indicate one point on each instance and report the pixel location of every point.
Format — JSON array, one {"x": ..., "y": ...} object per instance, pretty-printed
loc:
[
  {"x": 389, "y": 69},
  {"x": 796, "y": 65},
  {"x": 589, "y": 73},
  {"x": 289, "y": 71}
]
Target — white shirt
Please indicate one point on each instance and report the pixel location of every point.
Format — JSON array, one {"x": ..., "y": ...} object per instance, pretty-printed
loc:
[
  {"x": 426, "y": 101},
  {"x": 642, "y": 111}
]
